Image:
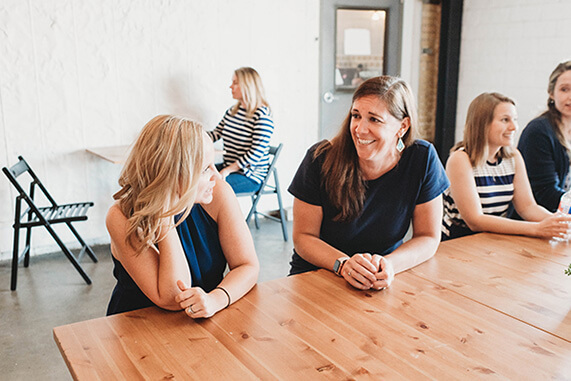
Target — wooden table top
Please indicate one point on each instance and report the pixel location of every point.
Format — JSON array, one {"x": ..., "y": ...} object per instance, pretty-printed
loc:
[
  {"x": 119, "y": 154},
  {"x": 113, "y": 154},
  {"x": 315, "y": 325},
  {"x": 519, "y": 276}
]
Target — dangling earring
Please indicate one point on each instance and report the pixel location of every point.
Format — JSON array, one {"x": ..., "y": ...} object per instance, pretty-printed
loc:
[{"x": 400, "y": 145}]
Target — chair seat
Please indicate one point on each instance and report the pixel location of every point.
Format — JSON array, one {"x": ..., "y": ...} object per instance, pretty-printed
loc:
[{"x": 59, "y": 214}]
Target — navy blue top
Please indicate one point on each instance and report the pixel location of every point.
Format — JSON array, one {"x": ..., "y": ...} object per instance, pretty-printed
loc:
[
  {"x": 389, "y": 204},
  {"x": 199, "y": 237},
  {"x": 546, "y": 161}
]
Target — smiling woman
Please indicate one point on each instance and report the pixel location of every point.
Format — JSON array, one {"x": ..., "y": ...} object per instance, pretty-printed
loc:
[
  {"x": 356, "y": 195},
  {"x": 176, "y": 225},
  {"x": 545, "y": 143},
  {"x": 376, "y": 134},
  {"x": 487, "y": 174}
]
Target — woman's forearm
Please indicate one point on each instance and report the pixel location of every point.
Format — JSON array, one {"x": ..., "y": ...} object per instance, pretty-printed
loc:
[
  {"x": 316, "y": 251},
  {"x": 173, "y": 266},
  {"x": 413, "y": 252},
  {"x": 239, "y": 281},
  {"x": 534, "y": 213},
  {"x": 502, "y": 225}
]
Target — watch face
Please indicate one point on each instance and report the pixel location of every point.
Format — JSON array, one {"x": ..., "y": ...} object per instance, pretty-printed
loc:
[{"x": 336, "y": 266}]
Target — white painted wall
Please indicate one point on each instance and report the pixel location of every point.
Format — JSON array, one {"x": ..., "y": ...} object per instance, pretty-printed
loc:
[
  {"x": 79, "y": 74},
  {"x": 512, "y": 46}
]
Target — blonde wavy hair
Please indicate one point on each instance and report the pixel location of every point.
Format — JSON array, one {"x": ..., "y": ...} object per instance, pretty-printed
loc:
[
  {"x": 253, "y": 94},
  {"x": 160, "y": 177},
  {"x": 478, "y": 120}
]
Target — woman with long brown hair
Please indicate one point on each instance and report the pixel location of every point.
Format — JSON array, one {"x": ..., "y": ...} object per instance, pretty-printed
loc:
[
  {"x": 487, "y": 174},
  {"x": 357, "y": 195},
  {"x": 545, "y": 143}
]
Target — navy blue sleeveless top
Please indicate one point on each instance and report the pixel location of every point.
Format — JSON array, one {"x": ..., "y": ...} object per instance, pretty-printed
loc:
[{"x": 199, "y": 237}]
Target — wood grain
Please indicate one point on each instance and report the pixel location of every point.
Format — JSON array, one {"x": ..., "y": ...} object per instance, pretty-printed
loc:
[
  {"x": 316, "y": 326},
  {"x": 520, "y": 276}
]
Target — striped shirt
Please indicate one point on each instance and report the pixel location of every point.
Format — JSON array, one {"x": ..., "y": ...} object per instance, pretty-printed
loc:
[
  {"x": 246, "y": 140},
  {"x": 494, "y": 184}
]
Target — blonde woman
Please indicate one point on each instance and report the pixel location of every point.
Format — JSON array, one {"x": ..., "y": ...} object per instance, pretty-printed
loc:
[
  {"x": 175, "y": 226},
  {"x": 545, "y": 143},
  {"x": 487, "y": 174},
  {"x": 246, "y": 130}
]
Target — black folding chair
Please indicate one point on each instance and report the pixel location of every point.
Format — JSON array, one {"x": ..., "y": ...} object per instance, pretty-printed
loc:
[
  {"x": 266, "y": 188},
  {"x": 46, "y": 216}
]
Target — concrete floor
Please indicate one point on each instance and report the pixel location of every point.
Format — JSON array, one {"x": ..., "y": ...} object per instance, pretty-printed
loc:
[{"x": 51, "y": 293}]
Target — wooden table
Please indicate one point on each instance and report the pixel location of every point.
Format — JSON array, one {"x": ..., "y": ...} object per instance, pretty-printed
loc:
[
  {"x": 113, "y": 154},
  {"x": 314, "y": 325},
  {"x": 119, "y": 154},
  {"x": 522, "y": 277}
]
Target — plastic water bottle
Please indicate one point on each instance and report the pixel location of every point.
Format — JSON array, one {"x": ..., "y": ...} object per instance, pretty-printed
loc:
[{"x": 564, "y": 208}]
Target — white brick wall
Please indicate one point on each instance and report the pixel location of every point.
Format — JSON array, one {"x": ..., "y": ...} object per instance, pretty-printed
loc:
[
  {"x": 78, "y": 74},
  {"x": 511, "y": 46}
]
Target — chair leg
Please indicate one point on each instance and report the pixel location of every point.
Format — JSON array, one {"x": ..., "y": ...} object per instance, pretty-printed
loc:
[
  {"x": 16, "y": 248},
  {"x": 68, "y": 253},
  {"x": 282, "y": 211},
  {"x": 28, "y": 246},
  {"x": 256, "y": 221},
  {"x": 82, "y": 242},
  {"x": 15, "y": 258},
  {"x": 253, "y": 212}
]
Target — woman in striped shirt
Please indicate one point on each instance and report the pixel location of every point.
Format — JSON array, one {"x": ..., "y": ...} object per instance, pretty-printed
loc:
[
  {"x": 245, "y": 129},
  {"x": 487, "y": 173}
]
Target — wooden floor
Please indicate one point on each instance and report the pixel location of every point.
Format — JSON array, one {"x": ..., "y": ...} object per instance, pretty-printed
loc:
[{"x": 51, "y": 293}]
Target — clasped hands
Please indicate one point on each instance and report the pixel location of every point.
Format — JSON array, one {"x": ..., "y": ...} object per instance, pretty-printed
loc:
[{"x": 366, "y": 271}]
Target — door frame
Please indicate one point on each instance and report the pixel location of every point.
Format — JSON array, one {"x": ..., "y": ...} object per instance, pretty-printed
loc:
[{"x": 328, "y": 38}]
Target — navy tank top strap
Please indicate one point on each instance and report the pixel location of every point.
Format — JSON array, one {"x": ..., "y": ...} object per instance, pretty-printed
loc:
[{"x": 198, "y": 234}]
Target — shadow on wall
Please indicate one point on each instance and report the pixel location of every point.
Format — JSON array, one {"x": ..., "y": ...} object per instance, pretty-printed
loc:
[{"x": 182, "y": 101}]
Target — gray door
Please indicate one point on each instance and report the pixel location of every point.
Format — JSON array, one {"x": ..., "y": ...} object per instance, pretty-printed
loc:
[{"x": 359, "y": 40}]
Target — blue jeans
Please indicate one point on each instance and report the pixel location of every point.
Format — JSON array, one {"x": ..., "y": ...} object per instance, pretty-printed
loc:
[{"x": 239, "y": 182}]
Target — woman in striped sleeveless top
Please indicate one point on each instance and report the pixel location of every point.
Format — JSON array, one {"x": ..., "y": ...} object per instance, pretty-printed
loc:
[
  {"x": 246, "y": 130},
  {"x": 487, "y": 174}
]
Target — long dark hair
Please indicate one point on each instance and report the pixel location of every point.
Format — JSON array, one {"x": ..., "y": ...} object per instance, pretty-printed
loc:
[
  {"x": 341, "y": 172},
  {"x": 552, "y": 114}
]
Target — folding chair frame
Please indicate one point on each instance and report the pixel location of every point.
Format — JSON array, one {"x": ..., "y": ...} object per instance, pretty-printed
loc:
[
  {"x": 35, "y": 216},
  {"x": 266, "y": 188}
]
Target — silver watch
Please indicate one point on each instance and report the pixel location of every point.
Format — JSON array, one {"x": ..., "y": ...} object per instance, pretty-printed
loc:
[{"x": 338, "y": 265}]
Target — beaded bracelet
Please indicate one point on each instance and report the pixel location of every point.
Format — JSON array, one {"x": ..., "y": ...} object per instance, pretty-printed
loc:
[{"x": 226, "y": 292}]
